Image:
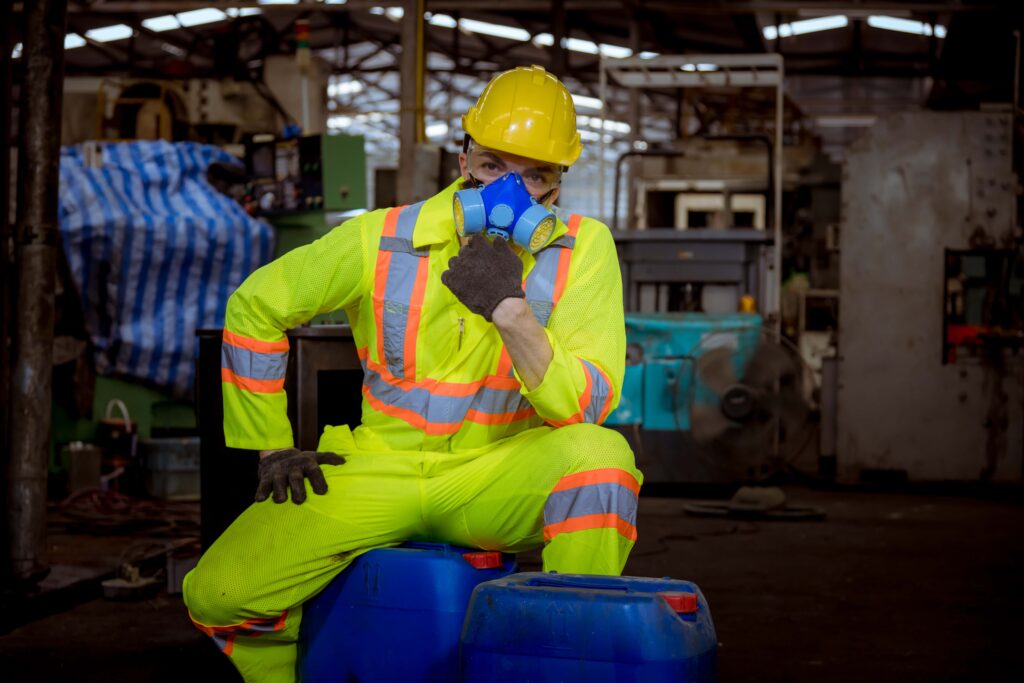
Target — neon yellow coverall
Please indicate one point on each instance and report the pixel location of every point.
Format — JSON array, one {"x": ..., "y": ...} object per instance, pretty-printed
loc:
[{"x": 451, "y": 447}]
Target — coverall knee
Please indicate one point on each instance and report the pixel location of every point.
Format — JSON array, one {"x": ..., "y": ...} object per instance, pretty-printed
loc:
[{"x": 572, "y": 489}]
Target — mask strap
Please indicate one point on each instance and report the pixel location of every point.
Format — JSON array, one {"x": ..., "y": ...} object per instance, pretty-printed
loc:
[
  {"x": 469, "y": 144},
  {"x": 547, "y": 194}
]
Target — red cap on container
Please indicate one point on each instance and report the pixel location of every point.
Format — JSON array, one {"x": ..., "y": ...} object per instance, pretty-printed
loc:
[
  {"x": 684, "y": 603},
  {"x": 484, "y": 559}
]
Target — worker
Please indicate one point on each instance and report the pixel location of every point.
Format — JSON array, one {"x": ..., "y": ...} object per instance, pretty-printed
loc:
[{"x": 488, "y": 369}]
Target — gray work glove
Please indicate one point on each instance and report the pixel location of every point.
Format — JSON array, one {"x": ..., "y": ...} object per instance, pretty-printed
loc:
[
  {"x": 290, "y": 468},
  {"x": 484, "y": 274}
]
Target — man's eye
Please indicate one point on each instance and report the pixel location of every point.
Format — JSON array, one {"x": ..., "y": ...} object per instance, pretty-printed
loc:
[
  {"x": 489, "y": 166},
  {"x": 535, "y": 178}
]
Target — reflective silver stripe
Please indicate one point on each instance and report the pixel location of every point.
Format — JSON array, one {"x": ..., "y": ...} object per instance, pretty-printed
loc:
[
  {"x": 541, "y": 310},
  {"x": 564, "y": 241},
  {"x": 269, "y": 626},
  {"x": 439, "y": 408},
  {"x": 417, "y": 399},
  {"x": 401, "y": 278},
  {"x": 401, "y": 244},
  {"x": 252, "y": 364},
  {"x": 498, "y": 401},
  {"x": 599, "y": 391},
  {"x": 540, "y": 283},
  {"x": 593, "y": 499}
]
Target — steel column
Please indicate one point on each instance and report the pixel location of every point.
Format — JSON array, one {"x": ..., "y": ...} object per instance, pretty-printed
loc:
[
  {"x": 410, "y": 124},
  {"x": 37, "y": 243}
]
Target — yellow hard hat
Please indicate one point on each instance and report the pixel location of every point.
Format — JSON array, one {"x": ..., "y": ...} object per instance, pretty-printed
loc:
[{"x": 526, "y": 111}]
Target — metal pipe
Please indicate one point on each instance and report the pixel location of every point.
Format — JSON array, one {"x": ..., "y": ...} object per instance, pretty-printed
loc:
[
  {"x": 6, "y": 233},
  {"x": 633, "y": 120},
  {"x": 38, "y": 239},
  {"x": 618, "y": 175},
  {"x": 775, "y": 304}
]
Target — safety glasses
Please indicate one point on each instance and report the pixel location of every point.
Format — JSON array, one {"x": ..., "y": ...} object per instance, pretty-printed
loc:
[{"x": 487, "y": 166}]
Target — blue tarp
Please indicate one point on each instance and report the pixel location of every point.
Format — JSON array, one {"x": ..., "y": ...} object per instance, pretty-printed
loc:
[{"x": 155, "y": 252}]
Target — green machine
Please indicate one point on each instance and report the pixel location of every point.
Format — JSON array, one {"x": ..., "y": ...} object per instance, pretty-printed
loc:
[
  {"x": 332, "y": 171},
  {"x": 328, "y": 176},
  {"x": 305, "y": 186},
  {"x": 311, "y": 173}
]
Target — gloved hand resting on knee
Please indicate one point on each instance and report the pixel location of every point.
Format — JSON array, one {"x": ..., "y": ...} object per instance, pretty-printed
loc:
[{"x": 289, "y": 468}]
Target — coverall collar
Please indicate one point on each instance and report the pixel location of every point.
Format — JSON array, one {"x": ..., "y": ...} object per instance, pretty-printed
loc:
[{"x": 436, "y": 225}]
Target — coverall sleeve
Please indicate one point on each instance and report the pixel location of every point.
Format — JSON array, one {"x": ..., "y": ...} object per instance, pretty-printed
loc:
[
  {"x": 320, "y": 277},
  {"x": 587, "y": 333}
]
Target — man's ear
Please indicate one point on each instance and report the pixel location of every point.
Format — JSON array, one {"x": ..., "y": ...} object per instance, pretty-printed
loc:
[{"x": 464, "y": 165}]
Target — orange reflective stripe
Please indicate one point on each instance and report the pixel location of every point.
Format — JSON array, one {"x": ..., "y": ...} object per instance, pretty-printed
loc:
[
  {"x": 436, "y": 386},
  {"x": 257, "y": 345},
  {"x": 391, "y": 220},
  {"x": 587, "y": 394},
  {"x": 381, "y": 273},
  {"x": 573, "y": 224},
  {"x": 415, "y": 309},
  {"x": 607, "y": 407},
  {"x": 599, "y": 521},
  {"x": 249, "y": 627},
  {"x": 381, "y": 277},
  {"x": 412, "y": 417},
  {"x": 257, "y": 386},
  {"x": 564, "y": 259},
  {"x": 584, "y": 403},
  {"x": 504, "y": 363},
  {"x": 606, "y": 475}
]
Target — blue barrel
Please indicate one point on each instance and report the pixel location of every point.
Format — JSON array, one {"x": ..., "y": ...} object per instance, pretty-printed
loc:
[
  {"x": 568, "y": 628},
  {"x": 395, "y": 614}
]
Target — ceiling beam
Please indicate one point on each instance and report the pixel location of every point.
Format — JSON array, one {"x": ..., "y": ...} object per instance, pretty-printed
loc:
[{"x": 713, "y": 7}]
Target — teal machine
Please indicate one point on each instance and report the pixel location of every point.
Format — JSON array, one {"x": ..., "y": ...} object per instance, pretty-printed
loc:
[
  {"x": 710, "y": 397},
  {"x": 664, "y": 349}
]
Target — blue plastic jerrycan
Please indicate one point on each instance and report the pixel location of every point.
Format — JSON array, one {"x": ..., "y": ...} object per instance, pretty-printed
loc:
[
  {"x": 569, "y": 628},
  {"x": 395, "y": 615},
  {"x": 504, "y": 209}
]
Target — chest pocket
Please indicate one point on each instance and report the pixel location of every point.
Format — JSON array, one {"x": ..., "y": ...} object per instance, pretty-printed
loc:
[{"x": 398, "y": 300}]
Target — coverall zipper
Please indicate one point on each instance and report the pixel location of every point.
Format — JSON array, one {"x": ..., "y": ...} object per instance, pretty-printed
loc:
[{"x": 462, "y": 329}]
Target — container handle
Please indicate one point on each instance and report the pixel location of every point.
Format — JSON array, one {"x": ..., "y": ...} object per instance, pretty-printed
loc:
[
  {"x": 587, "y": 583},
  {"x": 122, "y": 408}
]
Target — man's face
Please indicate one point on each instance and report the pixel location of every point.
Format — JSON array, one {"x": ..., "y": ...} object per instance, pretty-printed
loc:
[{"x": 487, "y": 165}]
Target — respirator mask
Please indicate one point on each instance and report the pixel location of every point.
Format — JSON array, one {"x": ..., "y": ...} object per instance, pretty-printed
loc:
[{"x": 504, "y": 208}]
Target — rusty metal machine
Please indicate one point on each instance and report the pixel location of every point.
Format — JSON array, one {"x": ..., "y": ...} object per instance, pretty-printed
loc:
[{"x": 929, "y": 374}]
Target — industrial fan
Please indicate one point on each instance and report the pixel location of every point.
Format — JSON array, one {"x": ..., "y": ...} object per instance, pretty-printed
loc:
[{"x": 750, "y": 401}]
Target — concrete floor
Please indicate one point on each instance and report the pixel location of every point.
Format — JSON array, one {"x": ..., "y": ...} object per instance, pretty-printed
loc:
[{"x": 892, "y": 587}]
